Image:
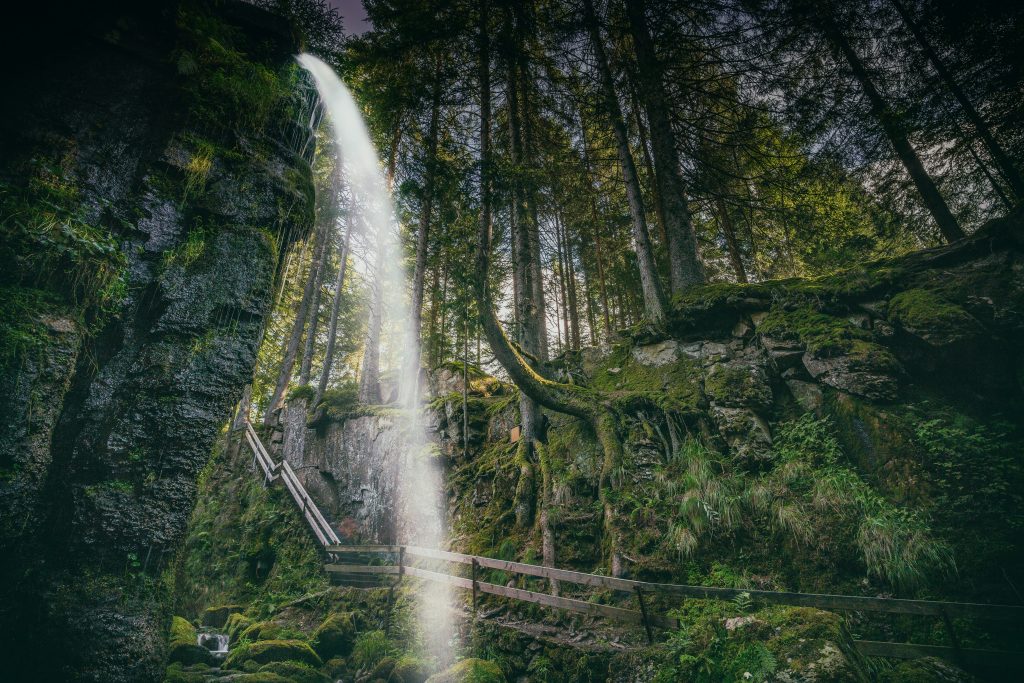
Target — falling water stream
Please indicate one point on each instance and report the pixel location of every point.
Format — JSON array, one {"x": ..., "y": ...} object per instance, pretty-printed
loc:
[{"x": 420, "y": 514}]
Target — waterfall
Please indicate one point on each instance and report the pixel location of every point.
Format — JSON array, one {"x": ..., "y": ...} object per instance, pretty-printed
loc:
[
  {"x": 420, "y": 514},
  {"x": 217, "y": 643}
]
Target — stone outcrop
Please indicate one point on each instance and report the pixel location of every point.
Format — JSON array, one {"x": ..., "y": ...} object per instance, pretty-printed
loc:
[{"x": 122, "y": 408}]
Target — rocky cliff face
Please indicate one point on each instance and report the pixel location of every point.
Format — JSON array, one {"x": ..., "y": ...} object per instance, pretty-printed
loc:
[
  {"x": 350, "y": 467},
  {"x": 155, "y": 159}
]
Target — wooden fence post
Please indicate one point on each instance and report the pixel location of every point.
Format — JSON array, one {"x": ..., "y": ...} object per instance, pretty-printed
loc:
[
  {"x": 643, "y": 614},
  {"x": 476, "y": 587}
]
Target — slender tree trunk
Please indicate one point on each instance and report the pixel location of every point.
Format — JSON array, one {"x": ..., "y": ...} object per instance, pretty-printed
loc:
[
  {"x": 1003, "y": 162},
  {"x": 527, "y": 314},
  {"x": 655, "y": 303},
  {"x": 291, "y": 349},
  {"x": 435, "y": 293},
  {"x": 332, "y": 325},
  {"x": 659, "y": 206},
  {"x": 369, "y": 375},
  {"x": 574, "y": 307},
  {"x": 562, "y": 282},
  {"x": 313, "y": 315},
  {"x": 930, "y": 195},
  {"x": 426, "y": 207},
  {"x": 596, "y": 221},
  {"x": 731, "y": 243},
  {"x": 685, "y": 268}
]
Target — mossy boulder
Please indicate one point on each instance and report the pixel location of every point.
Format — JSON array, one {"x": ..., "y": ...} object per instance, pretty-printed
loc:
[
  {"x": 924, "y": 670},
  {"x": 411, "y": 669},
  {"x": 235, "y": 625},
  {"x": 787, "y": 643},
  {"x": 179, "y": 673},
  {"x": 383, "y": 669},
  {"x": 295, "y": 672},
  {"x": 261, "y": 630},
  {"x": 335, "y": 637},
  {"x": 184, "y": 648},
  {"x": 931, "y": 318},
  {"x": 470, "y": 671},
  {"x": 217, "y": 617},
  {"x": 266, "y": 651},
  {"x": 738, "y": 384}
]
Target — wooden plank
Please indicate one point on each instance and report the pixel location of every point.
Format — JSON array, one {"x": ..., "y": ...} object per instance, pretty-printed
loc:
[
  {"x": 875, "y": 648},
  {"x": 618, "y": 613},
  {"x": 308, "y": 504},
  {"x": 361, "y": 569},
  {"x": 822, "y": 601},
  {"x": 364, "y": 548}
]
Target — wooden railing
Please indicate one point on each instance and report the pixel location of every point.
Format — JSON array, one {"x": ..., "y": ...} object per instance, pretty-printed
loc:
[
  {"x": 642, "y": 589},
  {"x": 638, "y": 589},
  {"x": 271, "y": 471}
]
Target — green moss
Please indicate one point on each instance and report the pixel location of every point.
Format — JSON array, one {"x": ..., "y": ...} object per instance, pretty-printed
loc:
[
  {"x": 335, "y": 636},
  {"x": 236, "y": 623},
  {"x": 295, "y": 672},
  {"x": 265, "y": 651},
  {"x": 261, "y": 630},
  {"x": 736, "y": 385},
  {"x": 370, "y": 648},
  {"x": 22, "y": 330},
  {"x": 303, "y": 391},
  {"x": 824, "y": 335},
  {"x": 411, "y": 669},
  {"x": 675, "y": 386},
  {"x": 927, "y": 314},
  {"x": 178, "y": 673},
  {"x": 470, "y": 671},
  {"x": 182, "y": 631}
]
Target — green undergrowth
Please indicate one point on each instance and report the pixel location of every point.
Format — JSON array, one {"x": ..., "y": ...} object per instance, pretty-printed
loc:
[
  {"x": 224, "y": 86},
  {"x": 246, "y": 544}
]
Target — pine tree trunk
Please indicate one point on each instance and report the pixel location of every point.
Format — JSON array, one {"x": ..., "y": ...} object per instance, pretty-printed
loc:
[
  {"x": 313, "y": 314},
  {"x": 596, "y": 219},
  {"x": 369, "y": 375},
  {"x": 655, "y": 303},
  {"x": 291, "y": 348},
  {"x": 930, "y": 195},
  {"x": 426, "y": 208},
  {"x": 332, "y": 325},
  {"x": 685, "y": 268},
  {"x": 731, "y": 243}
]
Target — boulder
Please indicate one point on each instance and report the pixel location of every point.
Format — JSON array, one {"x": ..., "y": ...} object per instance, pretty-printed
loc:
[
  {"x": 217, "y": 617},
  {"x": 470, "y": 671},
  {"x": 738, "y": 384},
  {"x": 335, "y": 637},
  {"x": 266, "y": 651},
  {"x": 747, "y": 433},
  {"x": 658, "y": 354}
]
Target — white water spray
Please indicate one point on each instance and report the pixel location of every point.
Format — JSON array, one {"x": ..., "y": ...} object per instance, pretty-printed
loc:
[{"x": 421, "y": 505}]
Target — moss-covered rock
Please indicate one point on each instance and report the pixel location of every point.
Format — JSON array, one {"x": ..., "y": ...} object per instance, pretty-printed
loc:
[
  {"x": 217, "y": 616},
  {"x": 184, "y": 649},
  {"x": 738, "y": 384},
  {"x": 295, "y": 672},
  {"x": 383, "y": 669},
  {"x": 411, "y": 669},
  {"x": 924, "y": 670},
  {"x": 470, "y": 671},
  {"x": 335, "y": 636},
  {"x": 261, "y": 630},
  {"x": 179, "y": 673},
  {"x": 927, "y": 315},
  {"x": 236, "y": 624},
  {"x": 265, "y": 651}
]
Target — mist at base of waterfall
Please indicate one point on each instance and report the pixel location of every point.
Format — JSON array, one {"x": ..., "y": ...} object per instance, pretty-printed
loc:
[{"x": 420, "y": 517}]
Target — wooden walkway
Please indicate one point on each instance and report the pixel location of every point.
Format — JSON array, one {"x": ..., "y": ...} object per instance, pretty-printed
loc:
[{"x": 400, "y": 561}]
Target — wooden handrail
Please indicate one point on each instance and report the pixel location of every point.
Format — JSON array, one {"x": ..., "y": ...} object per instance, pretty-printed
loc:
[
  {"x": 317, "y": 522},
  {"x": 820, "y": 600}
]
